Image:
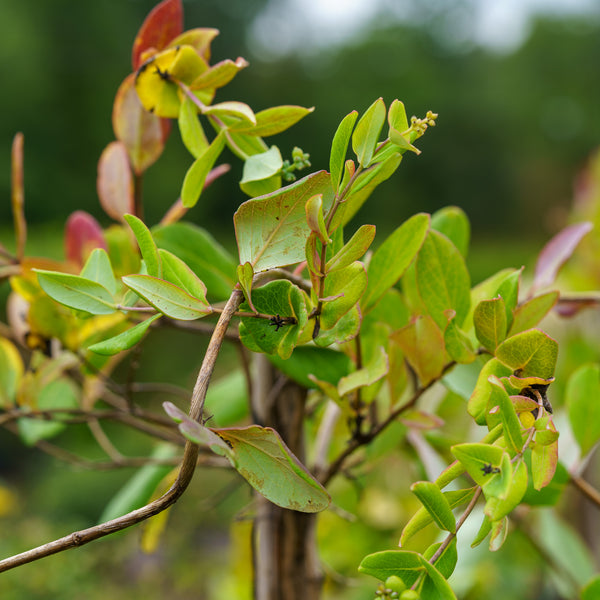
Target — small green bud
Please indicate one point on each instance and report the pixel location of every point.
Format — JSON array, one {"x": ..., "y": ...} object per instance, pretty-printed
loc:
[
  {"x": 395, "y": 584},
  {"x": 409, "y": 595}
]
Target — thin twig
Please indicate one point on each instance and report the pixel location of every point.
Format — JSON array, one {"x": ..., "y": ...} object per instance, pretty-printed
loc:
[
  {"x": 588, "y": 490},
  {"x": 186, "y": 471}
]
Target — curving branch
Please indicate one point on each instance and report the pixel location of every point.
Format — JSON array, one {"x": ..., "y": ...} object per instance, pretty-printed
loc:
[{"x": 186, "y": 471}]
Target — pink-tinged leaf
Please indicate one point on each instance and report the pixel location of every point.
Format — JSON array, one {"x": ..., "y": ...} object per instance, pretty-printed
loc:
[
  {"x": 18, "y": 194},
  {"x": 143, "y": 133},
  {"x": 115, "y": 181},
  {"x": 422, "y": 342},
  {"x": 82, "y": 234},
  {"x": 544, "y": 459},
  {"x": 163, "y": 23},
  {"x": 556, "y": 252}
]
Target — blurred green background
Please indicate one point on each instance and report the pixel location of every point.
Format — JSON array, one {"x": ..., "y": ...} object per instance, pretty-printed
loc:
[{"x": 517, "y": 88}]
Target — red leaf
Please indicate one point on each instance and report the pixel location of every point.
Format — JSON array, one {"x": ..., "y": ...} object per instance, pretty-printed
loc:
[
  {"x": 556, "y": 252},
  {"x": 82, "y": 234},
  {"x": 115, "y": 181},
  {"x": 163, "y": 23},
  {"x": 143, "y": 133}
]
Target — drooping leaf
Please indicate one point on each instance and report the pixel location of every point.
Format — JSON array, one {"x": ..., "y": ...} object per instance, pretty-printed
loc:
[
  {"x": 435, "y": 503},
  {"x": 194, "y": 180},
  {"x": 404, "y": 564},
  {"x": 282, "y": 299},
  {"x": 147, "y": 245},
  {"x": 82, "y": 234},
  {"x": 98, "y": 268},
  {"x": 454, "y": 224},
  {"x": 163, "y": 23},
  {"x": 391, "y": 259},
  {"x": 583, "y": 390},
  {"x": 115, "y": 181},
  {"x": 484, "y": 531},
  {"x": 531, "y": 353},
  {"x": 202, "y": 253},
  {"x": 167, "y": 298},
  {"x": 556, "y": 252},
  {"x": 143, "y": 133},
  {"x": 271, "y": 231},
  {"x": 489, "y": 318},
  {"x": 125, "y": 340},
  {"x": 443, "y": 279},
  {"x": 366, "y": 134},
  {"x": 76, "y": 292},
  {"x": 339, "y": 148}
]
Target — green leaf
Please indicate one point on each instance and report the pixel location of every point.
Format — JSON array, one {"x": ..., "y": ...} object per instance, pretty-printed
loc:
[
  {"x": 193, "y": 183},
  {"x": 366, "y": 134},
  {"x": 98, "y": 268},
  {"x": 435, "y": 503},
  {"x": 499, "y": 533},
  {"x": 509, "y": 291},
  {"x": 477, "y": 458},
  {"x": 272, "y": 121},
  {"x": 531, "y": 353},
  {"x": 178, "y": 273},
  {"x": 397, "y": 116},
  {"x": 339, "y": 148},
  {"x": 245, "y": 275},
  {"x": 392, "y": 258},
  {"x": 354, "y": 249},
  {"x": 262, "y": 458},
  {"x": 422, "y": 342},
  {"x": 443, "y": 279},
  {"x": 345, "y": 329},
  {"x": 282, "y": 298},
  {"x": 404, "y": 564},
  {"x": 219, "y": 74},
  {"x": 262, "y": 166},
  {"x": 531, "y": 312},
  {"x": 57, "y": 394},
  {"x": 544, "y": 460},
  {"x": 584, "y": 413},
  {"x": 458, "y": 344},
  {"x": 237, "y": 110},
  {"x": 489, "y": 318},
  {"x": 147, "y": 245},
  {"x": 484, "y": 531},
  {"x": 167, "y": 298},
  {"x": 202, "y": 253},
  {"x": 445, "y": 563},
  {"x": 510, "y": 422},
  {"x": 76, "y": 292},
  {"x": 346, "y": 287},
  {"x": 124, "y": 340},
  {"x": 139, "y": 489},
  {"x": 552, "y": 492},
  {"x": 271, "y": 231},
  {"x": 423, "y": 517},
  {"x": 439, "y": 581},
  {"x": 454, "y": 224},
  {"x": 497, "y": 508},
  {"x": 192, "y": 134},
  {"x": 369, "y": 374},
  {"x": 592, "y": 590}
]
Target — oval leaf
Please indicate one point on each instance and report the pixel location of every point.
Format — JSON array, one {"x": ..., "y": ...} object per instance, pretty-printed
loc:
[
  {"x": 124, "y": 340},
  {"x": 436, "y": 504}
]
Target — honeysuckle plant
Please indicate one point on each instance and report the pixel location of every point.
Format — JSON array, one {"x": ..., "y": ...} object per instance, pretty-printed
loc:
[{"x": 367, "y": 332}]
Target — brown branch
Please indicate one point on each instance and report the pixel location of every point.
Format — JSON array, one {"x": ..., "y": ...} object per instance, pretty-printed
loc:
[
  {"x": 588, "y": 490},
  {"x": 184, "y": 477}
]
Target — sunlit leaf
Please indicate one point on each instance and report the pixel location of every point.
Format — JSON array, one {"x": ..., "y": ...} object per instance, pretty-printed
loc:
[
  {"x": 274, "y": 120},
  {"x": 219, "y": 75},
  {"x": 192, "y": 134},
  {"x": 177, "y": 272},
  {"x": 199, "y": 38},
  {"x": 98, "y": 268}
]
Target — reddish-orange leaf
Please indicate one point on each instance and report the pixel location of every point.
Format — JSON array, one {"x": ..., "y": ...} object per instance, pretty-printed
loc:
[
  {"x": 82, "y": 234},
  {"x": 115, "y": 181},
  {"x": 163, "y": 23},
  {"x": 143, "y": 133}
]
